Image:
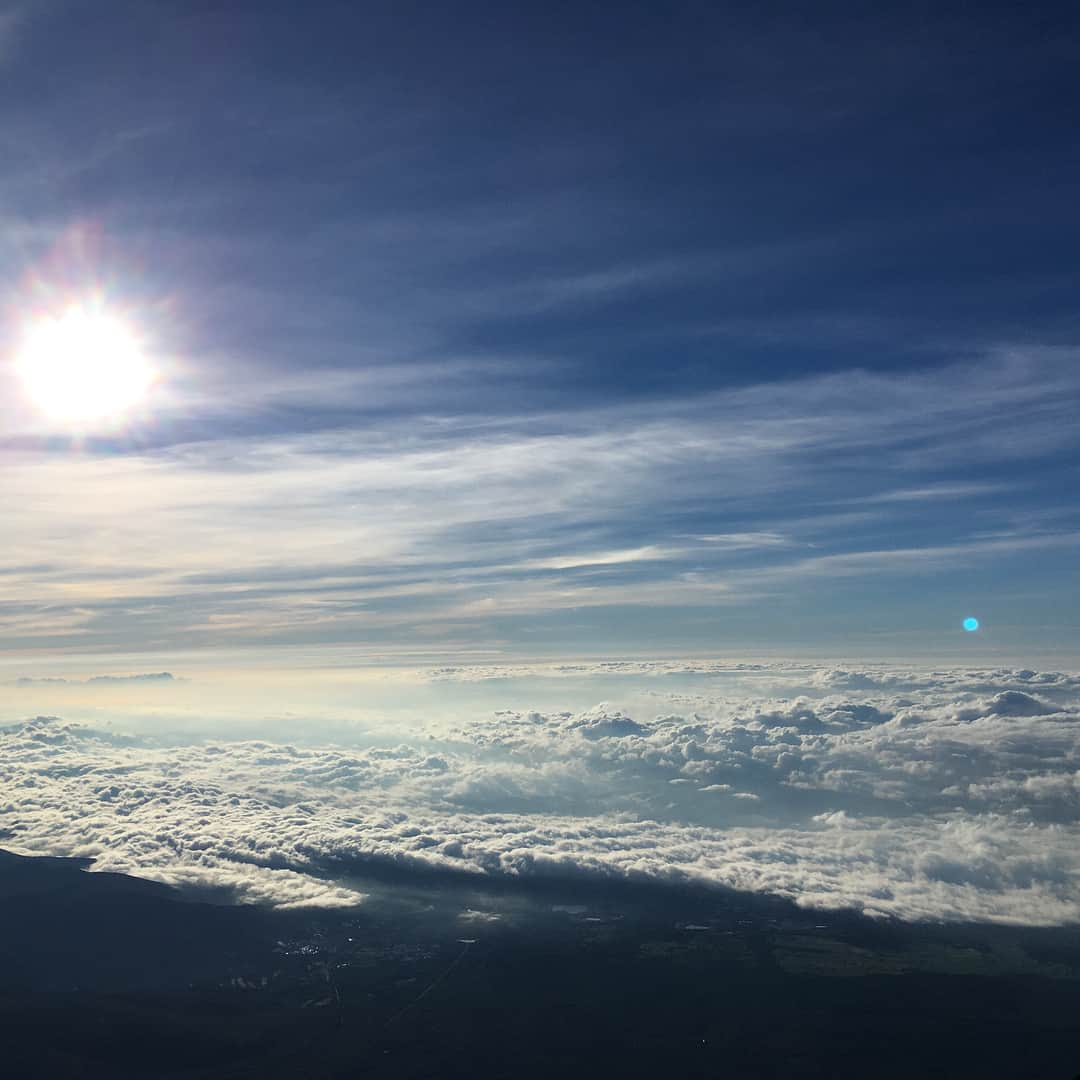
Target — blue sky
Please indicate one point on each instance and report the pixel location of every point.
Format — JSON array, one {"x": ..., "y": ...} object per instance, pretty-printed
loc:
[{"x": 487, "y": 332}]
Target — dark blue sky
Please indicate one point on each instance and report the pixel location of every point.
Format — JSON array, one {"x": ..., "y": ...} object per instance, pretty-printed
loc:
[
  {"x": 736, "y": 193},
  {"x": 465, "y": 293}
]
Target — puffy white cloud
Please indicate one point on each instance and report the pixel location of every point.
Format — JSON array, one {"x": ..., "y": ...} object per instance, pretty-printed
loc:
[{"x": 951, "y": 795}]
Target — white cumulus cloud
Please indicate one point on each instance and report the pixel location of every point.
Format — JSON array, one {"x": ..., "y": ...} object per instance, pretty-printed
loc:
[{"x": 922, "y": 795}]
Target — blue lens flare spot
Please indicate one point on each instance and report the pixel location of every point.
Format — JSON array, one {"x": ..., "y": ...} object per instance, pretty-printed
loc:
[{"x": 971, "y": 624}]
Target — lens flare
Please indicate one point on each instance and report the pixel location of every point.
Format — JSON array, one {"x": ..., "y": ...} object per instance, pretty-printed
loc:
[
  {"x": 83, "y": 367},
  {"x": 971, "y": 624}
]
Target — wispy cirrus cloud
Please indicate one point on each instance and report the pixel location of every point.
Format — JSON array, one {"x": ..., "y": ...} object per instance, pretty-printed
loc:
[{"x": 721, "y": 500}]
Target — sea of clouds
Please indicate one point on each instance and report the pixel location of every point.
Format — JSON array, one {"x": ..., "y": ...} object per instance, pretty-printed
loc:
[{"x": 942, "y": 795}]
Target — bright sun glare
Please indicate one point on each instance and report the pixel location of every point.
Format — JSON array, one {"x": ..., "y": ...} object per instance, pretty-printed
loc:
[{"x": 83, "y": 366}]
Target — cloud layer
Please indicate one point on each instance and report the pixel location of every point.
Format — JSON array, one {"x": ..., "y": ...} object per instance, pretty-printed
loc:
[
  {"x": 947, "y": 795},
  {"x": 96, "y": 680},
  {"x": 520, "y": 527}
]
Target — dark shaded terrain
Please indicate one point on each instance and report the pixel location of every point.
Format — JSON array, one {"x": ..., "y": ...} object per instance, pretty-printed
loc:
[{"x": 103, "y": 975}]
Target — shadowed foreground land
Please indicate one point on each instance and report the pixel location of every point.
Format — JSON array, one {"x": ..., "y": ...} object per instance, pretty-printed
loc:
[{"x": 106, "y": 975}]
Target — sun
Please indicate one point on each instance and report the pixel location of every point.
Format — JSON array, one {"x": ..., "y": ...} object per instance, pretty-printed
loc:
[{"x": 83, "y": 367}]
